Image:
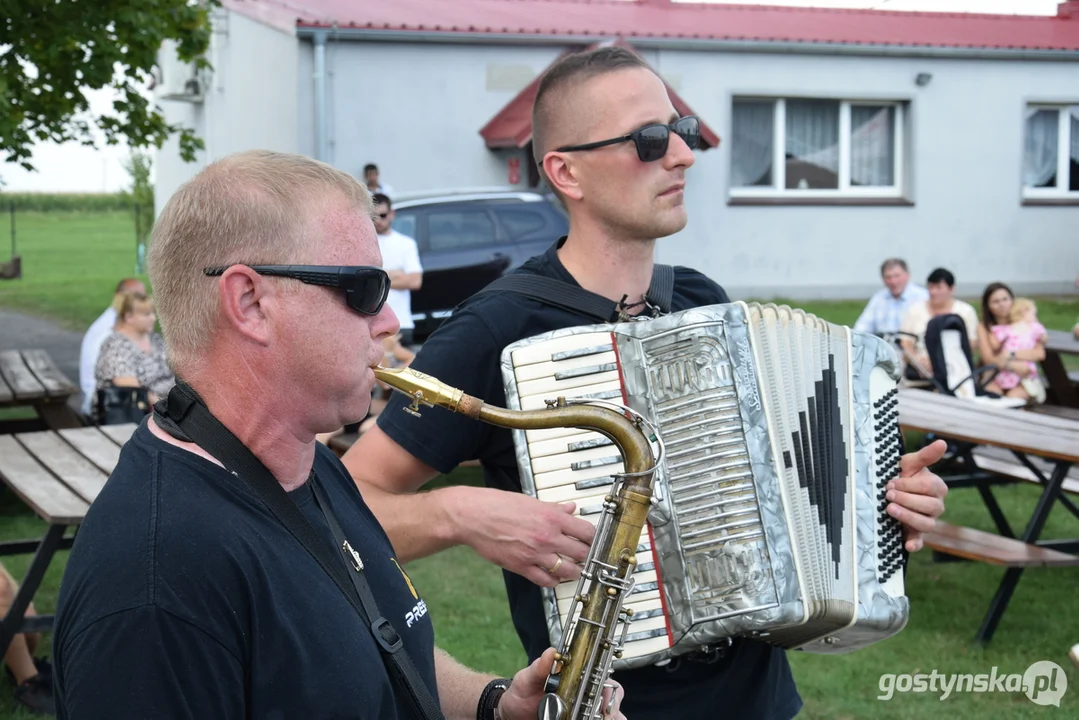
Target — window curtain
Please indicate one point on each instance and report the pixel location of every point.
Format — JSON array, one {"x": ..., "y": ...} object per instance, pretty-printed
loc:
[
  {"x": 1040, "y": 147},
  {"x": 872, "y": 146},
  {"x": 753, "y": 130},
  {"x": 1073, "y": 113},
  {"x": 813, "y": 133}
]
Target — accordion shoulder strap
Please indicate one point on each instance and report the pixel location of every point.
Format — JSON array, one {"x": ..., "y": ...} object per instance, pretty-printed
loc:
[{"x": 576, "y": 299}]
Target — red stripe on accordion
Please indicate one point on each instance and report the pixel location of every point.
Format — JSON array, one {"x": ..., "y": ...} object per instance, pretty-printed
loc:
[{"x": 648, "y": 525}]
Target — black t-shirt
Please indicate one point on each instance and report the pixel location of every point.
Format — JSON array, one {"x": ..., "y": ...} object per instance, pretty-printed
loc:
[
  {"x": 752, "y": 680},
  {"x": 184, "y": 597}
]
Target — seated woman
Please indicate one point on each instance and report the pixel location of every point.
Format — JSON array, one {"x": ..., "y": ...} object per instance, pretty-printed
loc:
[
  {"x": 1014, "y": 348},
  {"x": 133, "y": 356}
]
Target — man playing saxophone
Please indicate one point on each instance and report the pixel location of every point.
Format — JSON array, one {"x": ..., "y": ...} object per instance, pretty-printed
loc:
[{"x": 611, "y": 145}]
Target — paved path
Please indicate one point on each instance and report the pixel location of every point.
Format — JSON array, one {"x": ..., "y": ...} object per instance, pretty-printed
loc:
[{"x": 19, "y": 331}]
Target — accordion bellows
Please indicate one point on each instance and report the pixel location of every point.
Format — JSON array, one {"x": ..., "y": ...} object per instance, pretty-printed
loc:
[{"x": 781, "y": 431}]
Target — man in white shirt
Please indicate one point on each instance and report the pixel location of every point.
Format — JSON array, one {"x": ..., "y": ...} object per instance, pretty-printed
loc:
[
  {"x": 372, "y": 181},
  {"x": 884, "y": 312},
  {"x": 401, "y": 261},
  {"x": 941, "y": 284},
  {"x": 95, "y": 336}
]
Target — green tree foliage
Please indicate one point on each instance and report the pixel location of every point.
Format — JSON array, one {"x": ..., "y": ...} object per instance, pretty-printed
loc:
[
  {"x": 141, "y": 193},
  {"x": 53, "y": 50}
]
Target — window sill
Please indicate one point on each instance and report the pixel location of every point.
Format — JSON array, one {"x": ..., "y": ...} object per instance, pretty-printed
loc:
[
  {"x": 839, "y": 200},
  {"x": 1050, "y": 201}
]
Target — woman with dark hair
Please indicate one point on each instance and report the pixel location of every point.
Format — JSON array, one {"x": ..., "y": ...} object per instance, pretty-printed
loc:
[{"x": 1016, "y": 366}]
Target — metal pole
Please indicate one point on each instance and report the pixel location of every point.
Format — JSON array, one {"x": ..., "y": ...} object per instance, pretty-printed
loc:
[{"x": 320, "y": 97}]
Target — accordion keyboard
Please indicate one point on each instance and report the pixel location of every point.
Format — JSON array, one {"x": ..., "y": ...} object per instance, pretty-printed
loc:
[{"x": 571, "y": 465}]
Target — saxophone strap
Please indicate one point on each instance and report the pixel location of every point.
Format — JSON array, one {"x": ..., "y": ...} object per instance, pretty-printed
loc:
[{"x": 184, "y": 416}]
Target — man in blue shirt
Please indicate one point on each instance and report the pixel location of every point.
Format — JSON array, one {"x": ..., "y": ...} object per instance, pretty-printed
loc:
[{"x": 884, "y": 312}]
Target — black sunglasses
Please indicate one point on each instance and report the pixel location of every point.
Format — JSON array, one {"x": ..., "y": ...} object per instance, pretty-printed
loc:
[
  {"x": 366, "y": 288},
  {"x": 652, "y": 140}
]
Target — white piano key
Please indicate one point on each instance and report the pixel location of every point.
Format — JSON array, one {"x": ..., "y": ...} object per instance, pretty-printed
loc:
[
  {"x": 524, "y": 373},
  {"x": 610, "y": 391},
  {"x": 569, "y": 445},
  {"x": 543, "y": 352},
  {"x": 576, "y": 460},
  {"x": 572, "y": 385}
]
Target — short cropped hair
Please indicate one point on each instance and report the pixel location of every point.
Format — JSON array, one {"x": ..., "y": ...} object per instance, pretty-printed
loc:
[
  {"x": 126, "y": 284},
  {"x": 940, "y": 275},
  {"x": 566, "y": 74},
  {"x": 251, "y": 207},
  {"x": 893, "y": 263},
  {"x": 382, "y": 199},
  {"x": 369, "y": 167}
]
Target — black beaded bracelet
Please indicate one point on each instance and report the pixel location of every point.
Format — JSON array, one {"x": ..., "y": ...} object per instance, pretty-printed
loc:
[{"x": 485, "y": 709}]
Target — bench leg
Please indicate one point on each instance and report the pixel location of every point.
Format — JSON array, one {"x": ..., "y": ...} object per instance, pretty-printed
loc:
[
  {"x": 1049, "y": 496},
  {"x": 11, "y": 625},
  {"x": 998, "y": 606},
  {"x": 995, "y": 512}
]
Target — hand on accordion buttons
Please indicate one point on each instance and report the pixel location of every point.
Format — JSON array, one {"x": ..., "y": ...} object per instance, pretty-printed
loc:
[
  {"x": 522, "y": 698},
  {"x": 916, "y": 497},
  {"x": 528, "y": 536}
]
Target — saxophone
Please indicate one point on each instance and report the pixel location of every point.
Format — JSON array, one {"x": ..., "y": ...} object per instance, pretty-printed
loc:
[{"x": 597, "y": 623}]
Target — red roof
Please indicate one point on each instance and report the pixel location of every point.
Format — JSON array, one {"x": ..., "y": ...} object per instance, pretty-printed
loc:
[
  {"x": 660, "y": 19},
  {"x": 512, "y": 126}
]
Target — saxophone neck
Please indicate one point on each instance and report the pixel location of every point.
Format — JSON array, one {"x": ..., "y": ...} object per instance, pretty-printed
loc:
[{"x": 426, "y": 390}]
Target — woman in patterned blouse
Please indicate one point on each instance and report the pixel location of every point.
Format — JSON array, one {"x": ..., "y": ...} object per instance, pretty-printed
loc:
[{"x": 134, "y": 355}]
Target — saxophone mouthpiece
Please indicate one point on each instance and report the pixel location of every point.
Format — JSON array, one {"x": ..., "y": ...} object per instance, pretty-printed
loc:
[{"x": 422, "y": 389}]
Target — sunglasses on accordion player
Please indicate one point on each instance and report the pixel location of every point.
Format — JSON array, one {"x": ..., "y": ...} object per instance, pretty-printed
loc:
[{"x": 651, "y": 141}]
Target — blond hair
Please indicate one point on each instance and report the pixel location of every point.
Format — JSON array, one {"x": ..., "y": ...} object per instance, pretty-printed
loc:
[
  {"x": 1020, "y": 306},
  {"x": 127, "y": 303},
  {"x": 252, "y": 207}
]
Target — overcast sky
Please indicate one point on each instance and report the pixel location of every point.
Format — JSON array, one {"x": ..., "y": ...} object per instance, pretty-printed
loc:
[{"x": 73, "y": 168}]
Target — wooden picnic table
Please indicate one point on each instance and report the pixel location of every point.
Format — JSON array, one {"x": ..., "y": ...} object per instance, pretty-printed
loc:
[
  {"x": 29, "y": 378},
  {"x": 1045, "y": 446},
  {"x": 1062, "y": 389},
  {"x": 58, "y": 474}
]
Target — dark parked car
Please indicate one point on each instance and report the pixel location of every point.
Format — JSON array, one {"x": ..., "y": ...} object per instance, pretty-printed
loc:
[{"x": 467, "y": 239}]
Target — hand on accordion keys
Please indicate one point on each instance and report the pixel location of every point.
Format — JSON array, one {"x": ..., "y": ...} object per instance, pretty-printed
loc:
[
  {"x": 527, "y": 536},
  {"x": 916, "y": 497}
]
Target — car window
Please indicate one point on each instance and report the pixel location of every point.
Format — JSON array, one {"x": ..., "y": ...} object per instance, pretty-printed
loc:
[
  {"x": 519, "y": 222},
  {"x": 450, "y": 229},
  {"x": 404, "y": 222}
]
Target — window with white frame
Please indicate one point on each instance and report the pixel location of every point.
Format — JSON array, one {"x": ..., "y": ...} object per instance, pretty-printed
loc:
[
  {"x": 1051, "y": 152},
  {"x": 801, "y": 147}
]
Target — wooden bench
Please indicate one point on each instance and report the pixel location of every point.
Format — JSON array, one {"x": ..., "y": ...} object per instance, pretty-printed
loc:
[
  {"x": 29, "y": 378},
  {"x": 991, "y": 548},
  {"x": 58, "y": 474},
  {"x": 1004, "y": 463},
  {"x": 1001, "y": 436}
]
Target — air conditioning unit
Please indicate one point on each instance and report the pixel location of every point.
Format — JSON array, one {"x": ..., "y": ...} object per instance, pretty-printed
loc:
[{"x": 176, "y": 79}]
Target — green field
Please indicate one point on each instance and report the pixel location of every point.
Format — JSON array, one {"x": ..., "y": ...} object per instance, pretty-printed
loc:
[{"x": 72, "y": 261}]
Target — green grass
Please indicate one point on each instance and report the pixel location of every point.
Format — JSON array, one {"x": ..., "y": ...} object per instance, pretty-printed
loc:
[{"x": 72, "y": 261}]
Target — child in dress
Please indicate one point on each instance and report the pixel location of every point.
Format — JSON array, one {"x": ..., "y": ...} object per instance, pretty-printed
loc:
[{"x": 1024, "y": 332}]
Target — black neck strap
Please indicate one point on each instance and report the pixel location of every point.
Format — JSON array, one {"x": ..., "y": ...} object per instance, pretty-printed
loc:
[{"x": 184, "y": 416}]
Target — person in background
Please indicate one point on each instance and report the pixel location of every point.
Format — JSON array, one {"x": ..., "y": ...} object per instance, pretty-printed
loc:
[
  {"x": 1012, "y": 342},
  {"x": 95, "y": 335},
  {"x": 31, "y": 677},
  {"x": 374, "y": 184},
  {"x": 941, "y": 301},
  {"x": 401, "y": 261},
  {"x": 134, "y": 355},
  {"x": 884, "y": 312}
]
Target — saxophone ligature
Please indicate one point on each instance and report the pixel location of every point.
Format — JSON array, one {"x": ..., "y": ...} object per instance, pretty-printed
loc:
[{"x": 597, "y": 623}]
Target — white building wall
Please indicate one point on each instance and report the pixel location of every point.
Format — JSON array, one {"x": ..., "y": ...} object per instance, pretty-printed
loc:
[
  {"x": 249, "y": 102},
  {"x": 966, "y": 148}
]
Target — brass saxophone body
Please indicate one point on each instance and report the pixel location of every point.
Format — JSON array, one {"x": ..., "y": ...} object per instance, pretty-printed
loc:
[{"x": 597, "y": 623}]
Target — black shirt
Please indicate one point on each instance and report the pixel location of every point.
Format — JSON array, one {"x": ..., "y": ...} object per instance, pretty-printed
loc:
[
  {"x": 752, "y": 680},
  {"x": 184, "y": 597}
]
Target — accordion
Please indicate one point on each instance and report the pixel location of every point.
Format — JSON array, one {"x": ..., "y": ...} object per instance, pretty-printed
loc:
[{"x": 780, "y": 433}]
